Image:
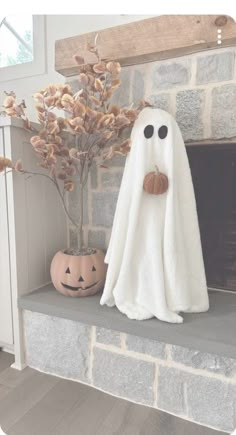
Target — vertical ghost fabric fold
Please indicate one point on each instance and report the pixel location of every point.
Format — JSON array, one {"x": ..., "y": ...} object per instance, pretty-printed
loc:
[{"x": 155, "y": 263}]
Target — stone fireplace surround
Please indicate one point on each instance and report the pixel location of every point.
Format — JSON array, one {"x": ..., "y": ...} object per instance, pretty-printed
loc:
[{"x": 188, "y": 370}]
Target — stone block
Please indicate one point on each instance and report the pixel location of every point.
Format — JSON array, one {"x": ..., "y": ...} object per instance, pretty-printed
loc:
[
  {"x": 211, "y": 402},
  {"x": 189, "y": 113},
  {"x": 205, "y": 400},
  {"x": 204, "y": 361},
  {"x": 104, "y": 205},
  {"x": 123, "y": 376},
  {"x": 215, "y": 67},
  {"x": 94, "y": 176},
  {"x": 58, "y": 346},
  {"x": 168, "y": 75},
  {"x": 223, "y": 111},
  {"x": 138, "y": 89},
  {"x": 117, "y": 161},
  {"x": 145, "y": 346},
  {"x": 74, "y": 207},
  {"x": 170, "y": 395},
  {"x": 97, "y": 239},
  {"x": 160, "y": 101},
  {"x": 122, "y": 95},
  {"x": 73, "y": 237},
  {"x": 107, "y": 336},
  {"x": 111, "y": 179}
]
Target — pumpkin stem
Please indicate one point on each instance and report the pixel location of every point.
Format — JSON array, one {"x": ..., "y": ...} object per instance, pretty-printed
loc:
[{"x": 157, "y": 169}]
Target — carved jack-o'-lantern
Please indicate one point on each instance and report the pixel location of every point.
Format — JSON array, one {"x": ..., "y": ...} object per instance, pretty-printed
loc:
[{"x": 78, "y": 275}]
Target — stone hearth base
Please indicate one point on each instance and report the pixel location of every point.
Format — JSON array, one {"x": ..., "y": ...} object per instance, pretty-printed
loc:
[{"x": 194, "y": 385}]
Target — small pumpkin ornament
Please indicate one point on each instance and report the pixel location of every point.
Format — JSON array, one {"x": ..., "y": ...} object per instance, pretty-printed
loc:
[
  {"x": 155, "y": 183},
  {"x": 78, "y": 275}
]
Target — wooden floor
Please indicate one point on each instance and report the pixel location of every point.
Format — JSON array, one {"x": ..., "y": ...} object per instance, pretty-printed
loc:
[{"x": 32, "y": 403}]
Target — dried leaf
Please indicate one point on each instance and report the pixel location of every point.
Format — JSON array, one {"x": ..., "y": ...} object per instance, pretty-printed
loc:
[
  {"x": 121, "y": 121},
  {"x": 94, "y": 100},
  {"x": 131, "y": 114},
  {"x": 38, "y": 97},
  {"x": 51, "y": 160},
  {"x": 99, "y": 68},
  {"x": 66, "y": 89},
  {"x": 79, "y": 109},
  {"x": 51, "y": 116},
  {"x": 113, "y": 67},
  {"x": 83, "y": 79},
  {"x": 69, "y": 185},
  {"x": 62, "y": 175},
  {"x": 78, "y": 59},
  {"x": 144, "y": 104},
  {"x": 74, "y": 122},
  {"x": 66, "y": 100},
  {"x": 98, "y": 85},
  {"x": 58, "y": 140},
  {"x": 53, "y": 128},
  {"x": 37, "y": 140},
  {"x": 115, "y": 84},
  {"x": 79, "y": 129},
  {"x": 51, "y": 89},
  {"x": 18, "y": 166},
  {"x": 106, "y": 135},
  {"x": 91, "y": 79},
  {"x": 61, "y": 122},
  {"x": 40, "y": 108},
  {"x": 73, "y": 153},
  {"x": 5, "y": 163},
  {"x": 125, "y": 146},
  {"x": 8, "y": 102},
  {"x": 92, "y": 114},
  {"x": 114, "y": 109}
]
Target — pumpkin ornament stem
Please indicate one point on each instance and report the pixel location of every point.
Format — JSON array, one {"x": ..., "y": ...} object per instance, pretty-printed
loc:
[
  {"x": 155, "y": 183},
  {"x": 157, "y": 170}
]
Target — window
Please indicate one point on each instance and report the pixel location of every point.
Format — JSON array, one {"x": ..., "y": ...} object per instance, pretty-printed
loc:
[{"x": 22, "y": 46}]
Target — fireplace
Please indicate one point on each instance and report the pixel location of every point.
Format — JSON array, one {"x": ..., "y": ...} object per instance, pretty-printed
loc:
[{"x": 213, "y": 170}]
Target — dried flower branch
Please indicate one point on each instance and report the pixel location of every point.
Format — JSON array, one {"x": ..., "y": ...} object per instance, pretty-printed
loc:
[{"x": 90, "y": 118}]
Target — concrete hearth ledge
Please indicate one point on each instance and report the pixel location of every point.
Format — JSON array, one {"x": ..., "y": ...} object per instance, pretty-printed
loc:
[{"x": 213, "y": 332}]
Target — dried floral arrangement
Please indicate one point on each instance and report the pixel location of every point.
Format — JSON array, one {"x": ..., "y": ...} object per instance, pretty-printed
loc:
[{"x": 96, "y": 126}]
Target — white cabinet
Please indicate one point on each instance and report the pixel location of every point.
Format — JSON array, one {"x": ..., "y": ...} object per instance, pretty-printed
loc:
[
  {"x": 6, "y": 330},
  {"x": 32, "y": 229}
]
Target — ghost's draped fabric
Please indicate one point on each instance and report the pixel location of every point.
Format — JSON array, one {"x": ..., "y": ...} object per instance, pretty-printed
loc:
[{"x": 155, "y": 264}]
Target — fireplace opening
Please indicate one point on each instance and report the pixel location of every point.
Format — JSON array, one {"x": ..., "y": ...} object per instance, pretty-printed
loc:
[{"x": 213, "y": 169}]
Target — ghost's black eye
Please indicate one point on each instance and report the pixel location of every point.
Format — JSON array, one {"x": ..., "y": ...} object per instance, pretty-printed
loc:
[
  {"x": 162, "y": 132},
  {"x": 148, "y": 131},
  {"x": 93, "y": 269},
  {"x": 67, "y": 270}
]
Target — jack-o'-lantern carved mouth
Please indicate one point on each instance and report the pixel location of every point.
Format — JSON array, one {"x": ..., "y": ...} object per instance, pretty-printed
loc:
[{"x": 74, "y": 289}]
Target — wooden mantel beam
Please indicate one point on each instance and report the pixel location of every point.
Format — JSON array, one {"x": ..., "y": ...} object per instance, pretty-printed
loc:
[{"x": 147, "y": 40}]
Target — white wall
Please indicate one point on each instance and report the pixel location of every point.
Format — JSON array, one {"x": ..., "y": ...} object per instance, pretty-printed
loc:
[{"x": 59, "y": 27}]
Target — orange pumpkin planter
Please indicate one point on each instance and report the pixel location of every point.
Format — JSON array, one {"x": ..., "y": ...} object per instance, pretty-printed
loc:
[
  {"x": 78, "y": 275},
  {"x": 155, "y": 183}
]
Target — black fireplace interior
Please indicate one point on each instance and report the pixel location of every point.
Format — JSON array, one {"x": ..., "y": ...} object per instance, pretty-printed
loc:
[{"x": 213, "y": 171}]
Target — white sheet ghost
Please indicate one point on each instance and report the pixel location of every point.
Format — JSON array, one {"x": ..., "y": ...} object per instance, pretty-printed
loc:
[{"x": 155, "y": 263}]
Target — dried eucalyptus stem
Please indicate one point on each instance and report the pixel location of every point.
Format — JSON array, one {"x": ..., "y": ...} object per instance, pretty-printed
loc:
[{"x": 94, "y": 125}]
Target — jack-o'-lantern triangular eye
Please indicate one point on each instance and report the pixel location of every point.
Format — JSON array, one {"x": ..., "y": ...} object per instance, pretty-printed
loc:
[
  {"x": 93, "y": 269},
  {"x": 67, "y": 270}
]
